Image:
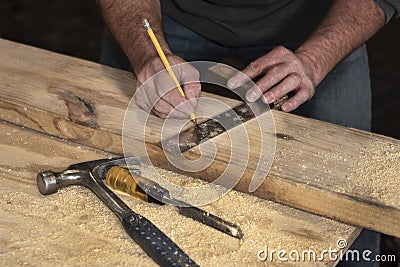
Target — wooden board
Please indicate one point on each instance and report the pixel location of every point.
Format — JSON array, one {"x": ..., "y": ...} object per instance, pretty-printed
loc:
[
  {"x": 74, "y": 227},
  {"x": 340, "y": 173}
]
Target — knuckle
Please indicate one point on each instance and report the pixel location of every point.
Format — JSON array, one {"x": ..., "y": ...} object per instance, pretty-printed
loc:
[
  {"x": 304, "y": 94},
  {"x": 296, "y": 64},
  {"x": 281, "y": 50},
  {"x": 311, "y": 93},
  {"x": 275, "y": 70},
  {"x": 282, "y": 89},
  {"x": 295, "y": 80},
  {"x": 194, "y": 72},
  {"x": 273, "y": 75},
  {"x": 272, "y": 94},
  {"x": 254, "y": 66},
  {"x": 295, "y": 103},
  {"x": 292, "y": 82},
  {"x": 192, "y": 90},
  {"x": 262, "y": 85},
  {"x": 272, "y": 78},
  {"x": 188, "y": 72},
  {"x": 159, "y": 107}
]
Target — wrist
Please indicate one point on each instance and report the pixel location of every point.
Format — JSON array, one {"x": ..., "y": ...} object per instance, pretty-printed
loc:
[
  {"x": 313, "y": 65},
  {"x": 145, "y": 53},
  {"x": 149, "y": 63}
]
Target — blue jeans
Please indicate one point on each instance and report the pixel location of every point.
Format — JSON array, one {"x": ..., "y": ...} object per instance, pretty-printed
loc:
[{"x": 343, "y": 97}]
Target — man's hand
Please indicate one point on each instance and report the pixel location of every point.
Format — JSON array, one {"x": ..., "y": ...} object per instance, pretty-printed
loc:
[
  {"x": 159, "y": 94},
  {"x": 348, "y": 24},
  {"x": 124, "y": 19},
  {"x": 283, "y": 72}
]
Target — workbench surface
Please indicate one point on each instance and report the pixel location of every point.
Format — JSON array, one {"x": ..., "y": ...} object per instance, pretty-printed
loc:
[
  {"x": 318, "y": 167},
  {"x": 340, "y": 173}
]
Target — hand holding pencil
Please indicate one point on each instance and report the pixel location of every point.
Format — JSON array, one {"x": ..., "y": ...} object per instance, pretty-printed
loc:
[{"x": 158, "y": 97}]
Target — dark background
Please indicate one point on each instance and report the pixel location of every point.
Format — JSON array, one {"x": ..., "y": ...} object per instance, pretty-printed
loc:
[{"x": 76, "y": 28}]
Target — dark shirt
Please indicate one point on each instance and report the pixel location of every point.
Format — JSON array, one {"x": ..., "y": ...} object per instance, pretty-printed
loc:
[
  {"x": 390, "y": 7},
  {"x": 235, "y": 23}
]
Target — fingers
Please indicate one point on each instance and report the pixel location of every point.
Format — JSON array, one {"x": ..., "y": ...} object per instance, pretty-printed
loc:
[
  {"x": 141, "y": 98},
  {"x": 160, "y": 96},
  {"x": 257, "y": 67},
  {"x": 281, "y": 71},
  {"x": 163, "y": 109},
  {"x": 253, "y": 70},
  {"x": 192, "y": 91},
  {"x": 290, "y": 83},
  {"x": 189, "y": 77},
  {"x": 271, "y": 78},
  {"x": 168, "y": 91},
  {"x": 178, "y": 103},
  {"x": 294, "y": 102}
]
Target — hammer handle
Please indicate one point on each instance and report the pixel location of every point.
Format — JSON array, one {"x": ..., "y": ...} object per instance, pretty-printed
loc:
[
  {"x": 154, "y": 242},
  {"x": 151, "y": 239}
]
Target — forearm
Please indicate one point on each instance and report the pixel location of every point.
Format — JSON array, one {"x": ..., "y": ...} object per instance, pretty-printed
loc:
[
  {"x": 347, "y": 25},
  {"x": 124, "y": 19}
]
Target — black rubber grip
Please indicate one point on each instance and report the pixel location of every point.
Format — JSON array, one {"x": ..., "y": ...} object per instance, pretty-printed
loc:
[{"x": 156, "y": 244}]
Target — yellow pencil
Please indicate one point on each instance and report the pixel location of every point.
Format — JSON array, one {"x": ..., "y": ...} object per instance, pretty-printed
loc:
[{"x": 165, "y": 61}]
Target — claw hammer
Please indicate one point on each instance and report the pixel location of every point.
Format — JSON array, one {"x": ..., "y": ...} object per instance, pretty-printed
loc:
[{"x": 151, "y": 239}]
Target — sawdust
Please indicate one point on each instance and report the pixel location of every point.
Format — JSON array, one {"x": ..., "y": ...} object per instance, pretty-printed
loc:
[
  {"x": 367, "y": 169},
  {"x": 377, "y": 173},
  {"x": 73, "y": 227},
  {"x": 184, "y": 182}
]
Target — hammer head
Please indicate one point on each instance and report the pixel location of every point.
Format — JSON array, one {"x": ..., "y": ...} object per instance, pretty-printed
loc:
[{"x": 49, "y": 182}]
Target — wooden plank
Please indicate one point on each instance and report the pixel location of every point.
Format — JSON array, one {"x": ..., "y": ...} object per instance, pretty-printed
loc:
[
  {"x": 74, "y": 226},
  {"x": 330, "y": 170},
  {"x": 64, "y": 96}
]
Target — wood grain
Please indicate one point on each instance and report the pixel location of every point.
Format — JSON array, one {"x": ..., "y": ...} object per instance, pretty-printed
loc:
[
  {"x": 337, "y": 172},
  {"x": 73, "y": 227}
]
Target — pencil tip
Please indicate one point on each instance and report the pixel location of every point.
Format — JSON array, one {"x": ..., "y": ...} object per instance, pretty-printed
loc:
[{"x": 193, "y": 117}]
